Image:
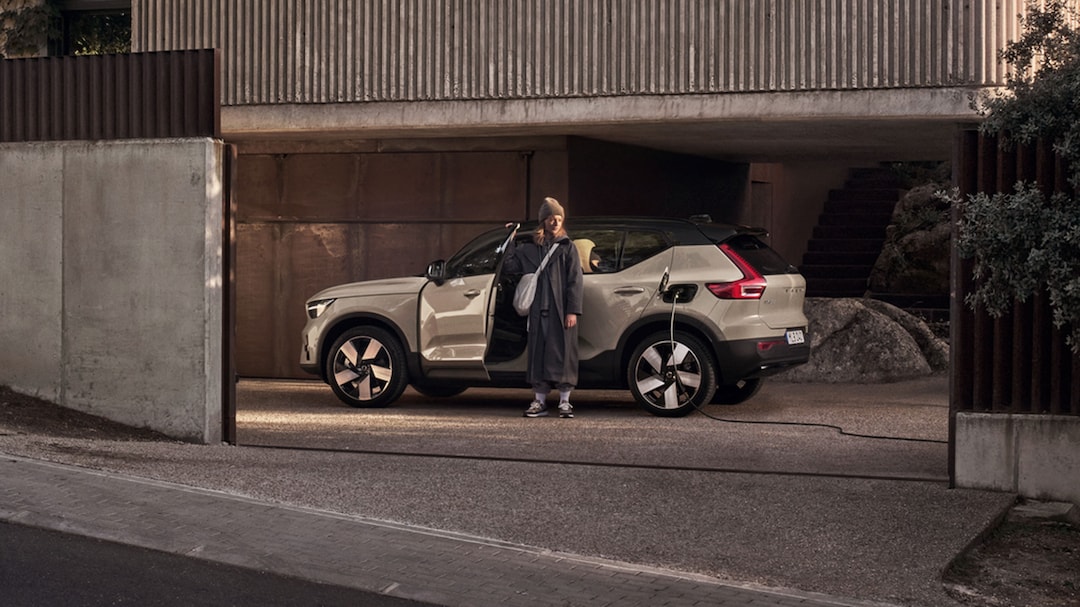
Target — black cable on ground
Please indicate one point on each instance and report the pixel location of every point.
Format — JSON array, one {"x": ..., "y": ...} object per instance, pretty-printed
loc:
[
  {"x": 820, "y": 425},
  {"x": 594, "y": 464},
  {"x": 675, "y": 300}
]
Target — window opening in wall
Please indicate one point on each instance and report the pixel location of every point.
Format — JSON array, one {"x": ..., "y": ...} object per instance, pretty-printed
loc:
[{"x": 94, "y": 28}]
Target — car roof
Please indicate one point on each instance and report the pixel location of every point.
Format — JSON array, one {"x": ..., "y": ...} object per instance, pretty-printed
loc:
[{"x": 699, "y": 230}]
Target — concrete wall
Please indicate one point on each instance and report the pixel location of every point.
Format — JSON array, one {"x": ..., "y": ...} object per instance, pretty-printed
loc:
[
  {"x": 786, "y": 198},
  {"x": 111, "y": 282},
  {"x": 1033, "y": 455}
]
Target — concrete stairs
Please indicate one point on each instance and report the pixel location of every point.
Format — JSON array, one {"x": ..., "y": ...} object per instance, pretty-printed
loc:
[{"x": 850, "y": 233}]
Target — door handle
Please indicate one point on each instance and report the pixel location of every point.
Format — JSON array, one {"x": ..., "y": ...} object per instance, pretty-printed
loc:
[
  {"x": 472, "y": 293},
  {"x": 629, "y": 290}
]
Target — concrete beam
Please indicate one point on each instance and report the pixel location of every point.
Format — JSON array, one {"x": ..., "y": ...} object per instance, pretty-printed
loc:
[{"x": 893, "y": 124}]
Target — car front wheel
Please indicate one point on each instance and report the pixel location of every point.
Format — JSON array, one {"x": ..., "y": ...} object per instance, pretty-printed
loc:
[
  {"x": 671, "y": 377},
  {"x": 366, "y": 367}
]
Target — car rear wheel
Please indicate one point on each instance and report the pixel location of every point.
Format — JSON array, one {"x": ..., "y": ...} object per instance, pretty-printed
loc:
[
  {"x": 671, "y": 378},
  {"x": 733, "y": 394},
  {"x": 366, "y": 368}
]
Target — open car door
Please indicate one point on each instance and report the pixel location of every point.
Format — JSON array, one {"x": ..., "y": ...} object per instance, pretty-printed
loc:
[{"x": 456, "y": 307}]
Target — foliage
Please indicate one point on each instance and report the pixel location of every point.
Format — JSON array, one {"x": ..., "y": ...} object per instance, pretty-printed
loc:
[
  {"x": 100, "y": 33},
  {"x": 1042, "y": 98},
  {"x": 915, "y": 174},
  {"x": 25, "y": 28},
  {"x": 1023, "y": 241}
]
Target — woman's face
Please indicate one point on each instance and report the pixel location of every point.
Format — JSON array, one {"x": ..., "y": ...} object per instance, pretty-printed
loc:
[{"x": 553, "y": 223}]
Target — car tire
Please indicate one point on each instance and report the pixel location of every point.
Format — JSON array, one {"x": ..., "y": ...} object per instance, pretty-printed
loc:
[
  {"x": 670, "y": 390},
  {"x": 434, "y": 391},
  {"x": 741, "y": 391},
  {"x": 366, "y": 367}
]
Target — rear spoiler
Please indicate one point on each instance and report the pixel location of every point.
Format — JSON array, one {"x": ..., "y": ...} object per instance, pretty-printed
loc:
[{"x": 722, "y": 232}]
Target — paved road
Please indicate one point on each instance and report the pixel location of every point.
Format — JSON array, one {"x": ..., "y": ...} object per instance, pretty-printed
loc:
[
  {"x": 466, "y": 488},
  {"x": 44, "y": 567}
]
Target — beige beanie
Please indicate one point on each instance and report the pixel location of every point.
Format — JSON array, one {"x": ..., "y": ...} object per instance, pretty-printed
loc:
[{"x": 551, "y": 207}]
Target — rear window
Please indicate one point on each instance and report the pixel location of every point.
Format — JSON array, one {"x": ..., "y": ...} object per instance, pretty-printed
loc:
[{"x": 759, "y": 255}]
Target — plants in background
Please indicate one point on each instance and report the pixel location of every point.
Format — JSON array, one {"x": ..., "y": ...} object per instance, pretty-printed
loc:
[
  {"x": 26, "y": 26},
  {"x": 1024, "y": 241}
]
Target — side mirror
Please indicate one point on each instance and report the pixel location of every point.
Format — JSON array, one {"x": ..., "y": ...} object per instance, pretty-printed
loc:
[{"x": 436, "y": 271}]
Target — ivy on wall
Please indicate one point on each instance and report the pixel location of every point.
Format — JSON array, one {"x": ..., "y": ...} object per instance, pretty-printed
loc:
[{"x": 26, "y": 26}]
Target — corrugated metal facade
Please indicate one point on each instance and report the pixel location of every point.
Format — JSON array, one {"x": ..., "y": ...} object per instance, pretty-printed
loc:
[
  {"x": 141, "y": 95},
  {"x": 331, "y": 51}
]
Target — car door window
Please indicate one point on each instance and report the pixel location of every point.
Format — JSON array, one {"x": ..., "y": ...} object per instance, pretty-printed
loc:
[
  {"x": 476, "y": 258},
  {"x": 641, "y": 245}
]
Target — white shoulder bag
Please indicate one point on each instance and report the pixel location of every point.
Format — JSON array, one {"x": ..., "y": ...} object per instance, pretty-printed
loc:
[{"x": 526, "y": 288}]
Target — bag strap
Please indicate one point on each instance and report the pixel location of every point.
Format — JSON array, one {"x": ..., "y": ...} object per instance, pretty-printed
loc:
[{"x": 544, "y": 261}]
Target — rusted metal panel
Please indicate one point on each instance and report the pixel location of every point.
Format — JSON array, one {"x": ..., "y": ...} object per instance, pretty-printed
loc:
[
  {"x": 399, "y": 187},
  {"x": 255, "y": 293},
  {"x": 142, "y": 95},
  {"x": 309, "y": 221},
  {"x": 378, "y": 187},
  {"x": 339, "y": 51},
  {"x": 280, "y": 265}
]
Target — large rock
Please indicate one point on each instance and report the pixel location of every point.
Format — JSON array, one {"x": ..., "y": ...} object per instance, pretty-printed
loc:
[
  {"x": 915, "y": 256},
  {"x": 867, "y": 341}
]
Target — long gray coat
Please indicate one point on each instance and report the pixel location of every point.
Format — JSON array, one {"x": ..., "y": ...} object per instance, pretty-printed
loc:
[{"x": 553, "y": 358}]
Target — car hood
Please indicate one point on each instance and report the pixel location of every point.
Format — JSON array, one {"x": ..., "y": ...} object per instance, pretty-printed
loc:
[{"x": 406, "y": 285}]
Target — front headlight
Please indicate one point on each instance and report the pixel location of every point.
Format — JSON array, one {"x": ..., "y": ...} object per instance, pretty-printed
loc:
[{"x": 317, "y": 307}]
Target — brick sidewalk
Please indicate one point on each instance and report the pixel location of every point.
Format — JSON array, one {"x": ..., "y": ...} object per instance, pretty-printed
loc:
[{"x": 397, "y": 560}]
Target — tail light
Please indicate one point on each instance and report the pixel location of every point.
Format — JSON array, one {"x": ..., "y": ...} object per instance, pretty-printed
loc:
[{"x": 750, "y": 286}]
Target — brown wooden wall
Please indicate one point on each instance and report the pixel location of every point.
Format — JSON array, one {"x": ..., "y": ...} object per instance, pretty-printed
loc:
[{"x": 1019, "y": 363}]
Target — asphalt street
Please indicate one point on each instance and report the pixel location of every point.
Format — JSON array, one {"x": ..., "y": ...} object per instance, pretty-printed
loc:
[
  {"x": 44, "y": 567},
  {"x": 791, "y": 504}
]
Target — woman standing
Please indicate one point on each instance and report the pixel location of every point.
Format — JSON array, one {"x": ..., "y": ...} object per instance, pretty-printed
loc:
[{"x": 553, "y": 317}]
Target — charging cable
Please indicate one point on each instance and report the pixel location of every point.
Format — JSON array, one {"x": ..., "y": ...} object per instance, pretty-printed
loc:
[{"x": 838, "y": 429}]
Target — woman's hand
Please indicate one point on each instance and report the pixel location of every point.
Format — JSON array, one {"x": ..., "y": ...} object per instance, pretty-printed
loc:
[{"x": 571, "y": 321}]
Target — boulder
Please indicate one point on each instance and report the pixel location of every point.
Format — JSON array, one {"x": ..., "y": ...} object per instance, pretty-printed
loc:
[
  {"x": 866, "y": 341},
  {"x": 915, "y": 256}
]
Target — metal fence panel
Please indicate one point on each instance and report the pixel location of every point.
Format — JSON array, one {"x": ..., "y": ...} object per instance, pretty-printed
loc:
[
  {"x": 1019, "y": 363},
  {"x": 141, "y": 95}
]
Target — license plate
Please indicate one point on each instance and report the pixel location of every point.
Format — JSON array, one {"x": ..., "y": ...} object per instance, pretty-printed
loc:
[{"x": 795, "y": 336}]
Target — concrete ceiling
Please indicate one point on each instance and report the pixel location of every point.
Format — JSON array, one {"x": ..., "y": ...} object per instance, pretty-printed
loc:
[{"x": 889, "y": 125}]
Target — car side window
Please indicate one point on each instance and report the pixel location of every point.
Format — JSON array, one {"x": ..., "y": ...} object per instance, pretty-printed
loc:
[
  {"x": 641, "y": 245},
  {"x": 598, "y": 249}
]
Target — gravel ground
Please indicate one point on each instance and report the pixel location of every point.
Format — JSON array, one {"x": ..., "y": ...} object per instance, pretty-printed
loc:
[{"x": 789, "y": 506}]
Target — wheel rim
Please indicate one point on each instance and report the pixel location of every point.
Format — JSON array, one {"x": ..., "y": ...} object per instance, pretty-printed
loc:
[
  {"x": 363, "y": 368},
  {"x": 668, "y": 378}
]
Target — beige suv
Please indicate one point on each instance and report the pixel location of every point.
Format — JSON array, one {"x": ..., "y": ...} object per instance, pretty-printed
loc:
[{"x": 681, "y": 313}]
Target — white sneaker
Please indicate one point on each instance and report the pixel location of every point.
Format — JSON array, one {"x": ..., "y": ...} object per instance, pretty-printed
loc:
[
  {"x": 537, "y": 409},
  {"x": 566, "y": 409}
]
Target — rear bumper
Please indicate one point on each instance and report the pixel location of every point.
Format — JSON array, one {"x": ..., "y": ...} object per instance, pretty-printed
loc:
[{"x": 748, "y": 358}]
